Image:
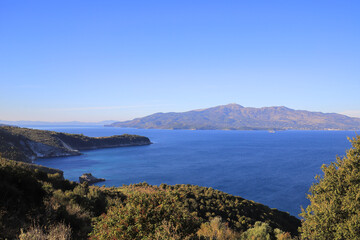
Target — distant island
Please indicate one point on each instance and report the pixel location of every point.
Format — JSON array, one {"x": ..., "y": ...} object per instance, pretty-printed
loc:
[
  {"x": 236, "y": 117},
  {"x": 44, "y": 123},
  {"x": 25, "y": 144}
]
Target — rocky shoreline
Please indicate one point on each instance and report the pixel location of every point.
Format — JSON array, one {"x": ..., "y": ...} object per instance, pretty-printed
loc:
[
  {"x": 77, "y": 152},
  {"x": 119, "y": 145}
]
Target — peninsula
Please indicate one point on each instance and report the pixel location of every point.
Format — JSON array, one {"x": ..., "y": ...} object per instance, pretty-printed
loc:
[{"x": 25, "y": 144}]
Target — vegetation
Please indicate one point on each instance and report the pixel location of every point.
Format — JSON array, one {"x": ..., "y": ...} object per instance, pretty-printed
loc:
[
  {"x": 262, "y": 231},
  {"x": 240, "y": 214},
  {"x": 34, "y": 201},
  {"x": 55, "y": 232},
  {"x": 24, "y": 144},
  {"x": 216, "y": 229},
  {"x": 17, "y": 164},
  {"x": 146, "y": 215},
  {"x": 31, "y": 196},
  {"x": 335, "y": 199},
  {"x": 10, "y": 146}
]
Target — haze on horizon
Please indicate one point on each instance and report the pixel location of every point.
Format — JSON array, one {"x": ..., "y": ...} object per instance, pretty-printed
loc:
[{"x": 92, "y": 61}]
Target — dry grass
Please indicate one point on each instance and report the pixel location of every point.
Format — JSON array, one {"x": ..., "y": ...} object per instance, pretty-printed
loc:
[{"x": 55, "y": 232}]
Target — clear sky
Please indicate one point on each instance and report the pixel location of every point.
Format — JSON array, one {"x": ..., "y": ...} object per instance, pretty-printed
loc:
[{"x": 99, "y": 60}]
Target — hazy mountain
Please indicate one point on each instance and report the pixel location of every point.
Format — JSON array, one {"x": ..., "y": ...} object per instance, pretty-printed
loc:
[
  {"x": 39, "y": 123},
  {"x": 237, "y": 117}
]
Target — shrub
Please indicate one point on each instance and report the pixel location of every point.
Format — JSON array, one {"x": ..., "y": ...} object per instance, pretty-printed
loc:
[
  {"x": 260, "y": 231},
  {"x": 334, "y": 208},
  {"x": 263, "y": 231},
  {"x": 145, "y": 216},
  {"x": 56, "y": 232},
  {"x": 216, "y": 230}
]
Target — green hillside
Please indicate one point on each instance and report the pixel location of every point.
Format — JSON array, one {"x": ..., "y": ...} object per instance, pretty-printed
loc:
[{"x": 25, "y": 144}]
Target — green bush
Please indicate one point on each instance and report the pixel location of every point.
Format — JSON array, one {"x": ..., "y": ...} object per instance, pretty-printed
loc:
[
  {"x": 261, "y": 231},
  {"x": 216, "y": 230},
  {"x": 334, "y": 208},
  {"x": 145, "y": 216}
]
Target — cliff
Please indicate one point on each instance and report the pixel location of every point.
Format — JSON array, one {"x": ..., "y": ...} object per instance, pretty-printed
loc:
[{"x": 24, "y": 144}]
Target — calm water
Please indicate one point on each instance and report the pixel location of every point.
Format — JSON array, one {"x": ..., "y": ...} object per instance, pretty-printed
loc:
[{"x": 275, "y": 169}]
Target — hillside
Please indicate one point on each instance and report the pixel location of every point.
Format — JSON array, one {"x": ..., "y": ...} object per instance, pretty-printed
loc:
[
  {"x": 47, "y": 200},
  {"x": 237, "y": 117},
  {"x": 24, "y": 144}
]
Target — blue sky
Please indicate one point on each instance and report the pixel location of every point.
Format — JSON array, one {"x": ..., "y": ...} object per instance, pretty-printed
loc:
[{"x": 98, "y": 60}]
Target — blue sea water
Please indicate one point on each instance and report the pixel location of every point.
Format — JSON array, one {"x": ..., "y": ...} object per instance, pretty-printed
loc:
[{"x": 275, "y": 169}]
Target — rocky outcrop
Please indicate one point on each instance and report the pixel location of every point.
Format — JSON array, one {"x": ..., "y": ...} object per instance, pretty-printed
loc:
[
  {"x": 40, "y": 150},
  {"x": 89, "y": 178}
]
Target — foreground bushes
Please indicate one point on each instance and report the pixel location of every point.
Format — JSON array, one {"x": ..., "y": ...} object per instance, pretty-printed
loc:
[
  {"x": 55, "y": 232},
  {"x": 146, "y": 216},
  {"x": 31, "y": 197},
  {"x": 216, "y": 229},
  {"x": 159, "y": 215}
]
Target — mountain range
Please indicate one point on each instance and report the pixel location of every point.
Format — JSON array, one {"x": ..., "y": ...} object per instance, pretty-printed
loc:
[{"x": 236, "y": 117}]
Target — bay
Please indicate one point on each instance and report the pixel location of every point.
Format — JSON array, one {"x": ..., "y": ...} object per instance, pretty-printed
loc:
[{"x": 275, "y": 169}]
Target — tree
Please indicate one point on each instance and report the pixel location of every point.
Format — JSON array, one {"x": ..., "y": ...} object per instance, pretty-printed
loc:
[
  {"x": 216, "y": 230},
  {"x": 334, "y": 210}
]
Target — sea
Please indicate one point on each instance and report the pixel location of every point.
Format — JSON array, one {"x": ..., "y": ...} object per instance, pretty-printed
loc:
[{"x": 272, "y": 168}]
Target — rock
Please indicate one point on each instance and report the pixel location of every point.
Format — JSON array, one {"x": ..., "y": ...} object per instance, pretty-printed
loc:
[{"x": 88, "y": 177}]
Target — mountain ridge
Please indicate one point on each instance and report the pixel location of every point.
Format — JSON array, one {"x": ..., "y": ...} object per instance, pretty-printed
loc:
[{"x": 236, "y": 117}]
